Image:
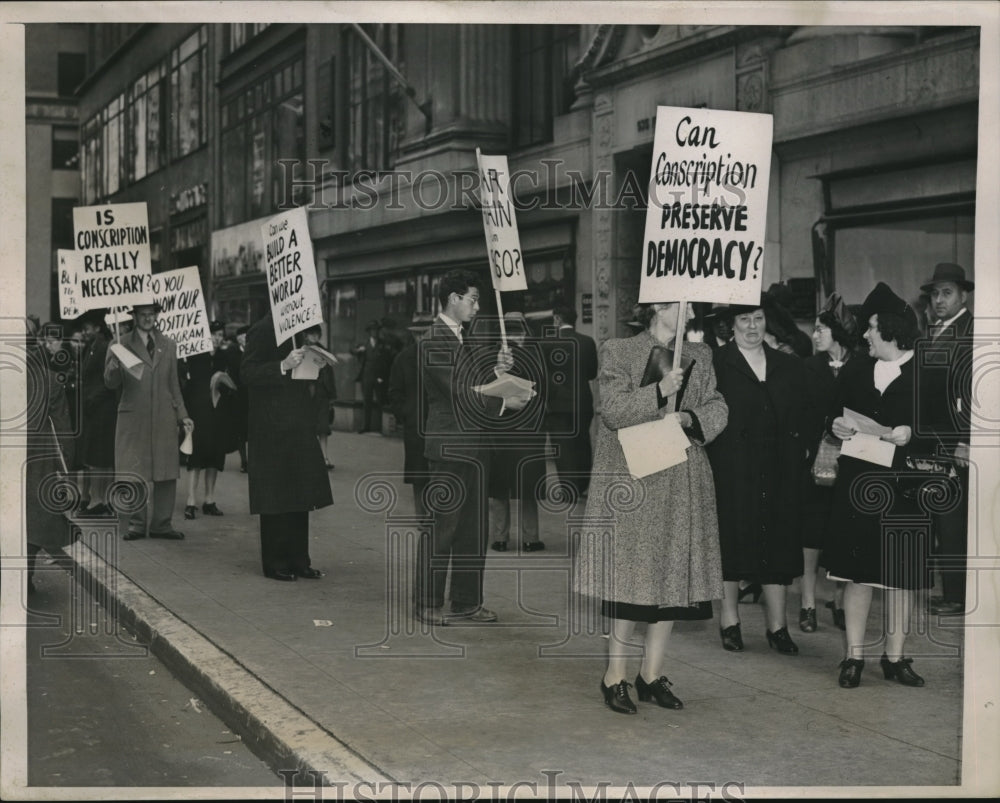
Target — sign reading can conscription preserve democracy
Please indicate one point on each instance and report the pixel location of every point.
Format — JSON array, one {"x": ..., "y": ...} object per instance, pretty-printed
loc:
[
  {"x": 113, "y": 247},
  {"x": 292, "y": 288},
  {"x": 707, "y": 211}
]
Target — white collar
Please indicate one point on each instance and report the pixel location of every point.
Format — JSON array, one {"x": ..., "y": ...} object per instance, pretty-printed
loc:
[
  {"x": 453, "y": 325},
  {"x": 953, "y": 318},
  {"x": 886, "y": 371}
]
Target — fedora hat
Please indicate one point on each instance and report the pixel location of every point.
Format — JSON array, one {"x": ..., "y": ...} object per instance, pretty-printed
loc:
[{"x": 948, "y": 272}]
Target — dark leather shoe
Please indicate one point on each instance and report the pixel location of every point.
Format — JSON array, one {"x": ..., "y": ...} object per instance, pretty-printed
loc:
[
  {"x": 753, "y": 590},
  {"x": 430, "y": 616},
  {"x": 617, "y": 699},
  {"x": 838, "y": 616},
  {"x": 309, "y": 573},
  {"x": 900, "y": 670},
  {"x": 658, "y": 690},
  {"x": 782, "y": 642},
  {"x": 211, "y": 509},
  {"x": 279, "y": 574},
  {"x": 190, "y": 511},
  {"x": 130, "y": 536},
  {"x": 807, "y": 620},
  {"x": 732, "y": 638},
  {"x": 532, "y": 546},
  {"x": 499, "y": 546},
  {"x": 850, "y": 672},
  {"x": 169, "y": 535},
  {"x": 947, "y": 608},
  {"x": 474, "y": 616}
]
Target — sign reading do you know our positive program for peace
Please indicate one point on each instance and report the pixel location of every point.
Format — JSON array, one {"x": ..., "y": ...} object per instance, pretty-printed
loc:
[
  {"x": 704, "y": 238},
  {"x": 292, "y": 288}
]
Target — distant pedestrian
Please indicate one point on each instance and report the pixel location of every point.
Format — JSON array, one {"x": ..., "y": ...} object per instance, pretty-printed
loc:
[
  {"x": 98, "y": 416},
  {"x": 323, "y": 390},
  {"x": 376, "y": 361},
  {"x": 410, "y": 411},
  {"x": 571, "y": 366},
  {"x": 150, "y": 411},
  {"x": 241, "y": 397},
  {"x": 287, "y": 475}
]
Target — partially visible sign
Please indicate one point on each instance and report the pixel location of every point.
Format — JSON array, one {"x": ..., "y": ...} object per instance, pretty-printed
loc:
[
  {"x": 704, "y": 238},
  {"x": 188, "y": 198},
  {"x": 113, "y": 247},
  {"x": 503, "y": 245},
  {"x": 587, "y": 302},
  {"x": 67, "y": 262},
  {"x": 292, "y": 288},
  {"x": 238, "y": 250}
]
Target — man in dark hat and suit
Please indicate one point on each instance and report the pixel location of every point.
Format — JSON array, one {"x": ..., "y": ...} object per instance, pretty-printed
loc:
[
  {"x": 376, "y": 363},
  {"x": 944, "y": 380},
  {"x": 150, "y": 412}
]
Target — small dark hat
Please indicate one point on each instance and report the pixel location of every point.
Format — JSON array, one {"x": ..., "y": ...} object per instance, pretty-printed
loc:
[
  {"x": 154, "y": 304},
  {"x": 217, "y": 326},
  {"x": 948, "y": 272},
  {"x": 243, "y": 330},
  {"x": 733, "y": 310},
  {"x": 882, "y": 300},
  {"x": 842, "y": 313},
  {"x": 93, "y": 316},
  {"x": 373, "y": 325}
]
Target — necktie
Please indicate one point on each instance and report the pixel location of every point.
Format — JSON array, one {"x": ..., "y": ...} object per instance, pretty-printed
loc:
[{"x": 149, "y": 345}]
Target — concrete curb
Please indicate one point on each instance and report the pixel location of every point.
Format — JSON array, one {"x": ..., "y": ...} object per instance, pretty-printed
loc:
[{"x": 275, "y": 730}]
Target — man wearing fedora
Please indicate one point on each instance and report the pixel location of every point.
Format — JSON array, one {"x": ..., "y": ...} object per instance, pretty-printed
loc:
[
  {"x": 150, "y": 412},
  {"x": 376, "y": 362},
  {"x": 943, "y": 423}
]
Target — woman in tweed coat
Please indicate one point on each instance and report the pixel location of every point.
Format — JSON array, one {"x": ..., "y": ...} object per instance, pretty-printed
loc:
[{"x": 650, "y": 549}]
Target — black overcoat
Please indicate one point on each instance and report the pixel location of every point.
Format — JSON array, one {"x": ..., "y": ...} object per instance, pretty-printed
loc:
[
  {"x": 868, "y": 496},
  {"x": 758, "y": 462},
  {"x": 286, "y": 467}
]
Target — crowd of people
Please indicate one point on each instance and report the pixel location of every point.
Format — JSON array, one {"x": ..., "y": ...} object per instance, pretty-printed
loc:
[{"x": 761, "y": 500}]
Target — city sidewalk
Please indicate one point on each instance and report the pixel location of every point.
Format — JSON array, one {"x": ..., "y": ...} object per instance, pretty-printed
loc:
[{"x": 379, "y": 697}]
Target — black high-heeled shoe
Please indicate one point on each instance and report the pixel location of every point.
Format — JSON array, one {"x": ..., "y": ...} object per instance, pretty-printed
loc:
[
  {"x": 900, "y": 670},
  {"x": 850, "y": 672},
  {"x": 807, "y": 620},
  {"x": 659, "y": 690},
  {"x": 782, "y": 642},
  {"x": 732, "y": 638},
  {"x": 616, "y": 697},
  {"x": 754, "y": 590}
]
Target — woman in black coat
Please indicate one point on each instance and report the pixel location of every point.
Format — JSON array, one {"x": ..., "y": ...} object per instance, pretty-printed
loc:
[
  {"x": 98, "y": 416},
  {"x": 881, "y": 387},
  {"x": 287, "y": 474},
  {"x": 834, "y": 337},
  {"x": 758, "y": 462},
  {"x": 408, "y": 407}
]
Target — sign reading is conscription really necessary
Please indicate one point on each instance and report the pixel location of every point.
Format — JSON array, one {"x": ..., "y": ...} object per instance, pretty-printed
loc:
[
  {"x": 503, "y": 245},
  {"x": 113, "y": 247},
  {"x": 292, "y": 288},
  {"x": 705, "y": 222},
  {"x": 183, "y": 316}
]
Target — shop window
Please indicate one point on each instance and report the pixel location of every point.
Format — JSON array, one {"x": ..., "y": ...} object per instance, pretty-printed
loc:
[
  {"x": 239, "y": 33},
  {"x": 113, "y": 145},
  {"x": 373, "y": 118},
  {"x": 62, "y": 222},
  {"x": 542, "y": 59},
  {"x": 65, "y": 149},
  {"x": 147, "y": 142},
  {"x": 187, "y": 94},
  {"x": 263, "y": 145}
]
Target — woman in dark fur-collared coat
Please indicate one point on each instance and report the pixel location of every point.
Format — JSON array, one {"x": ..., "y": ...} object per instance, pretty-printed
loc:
[{"x": 758, "y": 463}]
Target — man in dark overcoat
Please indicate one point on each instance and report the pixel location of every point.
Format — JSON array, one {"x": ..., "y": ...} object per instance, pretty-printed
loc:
[
  {"x": 376, "y": 361},
  {"x": 456, "y": 446},
  {"x": 286, "y": 466},
  {"x": 943, "y": 423},
  {"x": 150, "y": 414},
  {"x": 570, "y": 401}
]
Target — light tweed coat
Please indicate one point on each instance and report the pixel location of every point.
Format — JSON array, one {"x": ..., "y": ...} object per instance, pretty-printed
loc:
[{"x": 662, "y": 529}]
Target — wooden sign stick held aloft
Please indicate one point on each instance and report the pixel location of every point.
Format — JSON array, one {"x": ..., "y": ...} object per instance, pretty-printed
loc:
[
  {"x": 681, "y": 326},
  {"x": 503, "y": 327},
  {"x": 114, "y": 320}
]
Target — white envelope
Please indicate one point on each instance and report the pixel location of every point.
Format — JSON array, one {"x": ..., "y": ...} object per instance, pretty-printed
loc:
[
  {"x": 654, "y": 446},
  {"x": 869, "y": 448}
]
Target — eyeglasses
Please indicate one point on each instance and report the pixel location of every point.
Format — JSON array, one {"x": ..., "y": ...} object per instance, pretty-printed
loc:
[{"x": 471, "y": 298}]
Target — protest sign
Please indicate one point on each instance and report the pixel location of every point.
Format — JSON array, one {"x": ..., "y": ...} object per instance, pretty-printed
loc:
[
  {"x": 183, "y": 316},
  {"x": 117, "y": 315},
  {"x": 68, "y": 264},
  {"x": 503, "y": 245},
  {"x": 704, "y": 238},
  {"x": 292, "y": 288},
  {"x": 113, "y": 247}
]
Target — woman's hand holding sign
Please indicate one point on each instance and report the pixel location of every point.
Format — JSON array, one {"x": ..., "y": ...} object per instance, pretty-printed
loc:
[
  {"x": 841, "y": 429},
  {"x": 900, "y": 436},
  {"x": 671, "y": 382},
  {"x": 293, "y": 360}
]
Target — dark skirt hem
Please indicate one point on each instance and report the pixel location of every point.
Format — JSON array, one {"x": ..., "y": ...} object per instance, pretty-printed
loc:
[{"x": 656, "y": 613}]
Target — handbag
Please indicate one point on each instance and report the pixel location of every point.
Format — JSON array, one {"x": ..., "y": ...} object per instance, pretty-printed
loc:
[{"x": 824, "y": 468}]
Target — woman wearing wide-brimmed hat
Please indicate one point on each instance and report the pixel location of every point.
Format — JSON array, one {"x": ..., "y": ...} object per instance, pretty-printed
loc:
[
  {"x": 861, "y": 550},
  {"x": 758, "y": 463},
  {"x": 658, "y": 559}
]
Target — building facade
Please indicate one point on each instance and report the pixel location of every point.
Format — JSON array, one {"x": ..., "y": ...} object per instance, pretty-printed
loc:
[{"x": 374, "y": 128}]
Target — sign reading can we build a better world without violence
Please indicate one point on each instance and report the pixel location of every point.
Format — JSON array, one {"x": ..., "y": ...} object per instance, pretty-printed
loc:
[
  {"x": 292, "y": 288},
  {"x": 114, "y": 259},
  {"x": 707, "y": 209}
]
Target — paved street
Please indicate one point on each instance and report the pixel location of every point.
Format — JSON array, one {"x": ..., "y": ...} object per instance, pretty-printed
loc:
[
  {"x": 513, "y": 701},
  {"x": 103, "y": 711}
]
